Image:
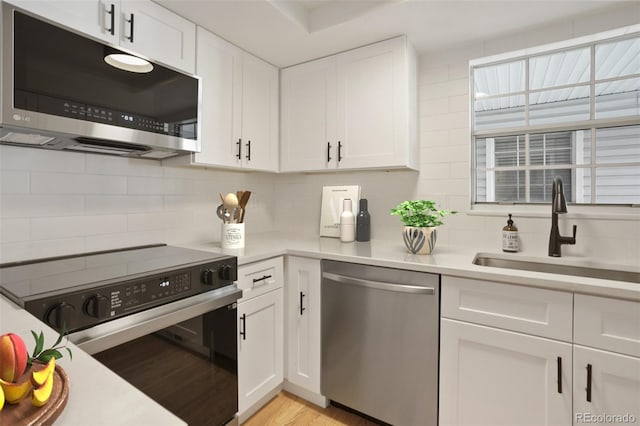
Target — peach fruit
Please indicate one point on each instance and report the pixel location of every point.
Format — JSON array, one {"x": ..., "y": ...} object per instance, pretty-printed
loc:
[
  {"x": 40, "y": 376},
  {"x": 13, "y": 357},
  {"x": 41, "y": 395},
  {"x": 15, "y": 392}
]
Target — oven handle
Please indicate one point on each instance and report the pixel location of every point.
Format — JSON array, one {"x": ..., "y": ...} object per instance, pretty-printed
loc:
[{"x": 121, "y": 330}]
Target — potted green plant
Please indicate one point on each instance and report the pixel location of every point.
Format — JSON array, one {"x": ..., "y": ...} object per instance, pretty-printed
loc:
[{"x": 421, "y": 219}]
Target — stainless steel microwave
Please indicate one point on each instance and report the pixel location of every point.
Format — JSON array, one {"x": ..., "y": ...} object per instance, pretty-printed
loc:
[{"x": 59, "y": 91}]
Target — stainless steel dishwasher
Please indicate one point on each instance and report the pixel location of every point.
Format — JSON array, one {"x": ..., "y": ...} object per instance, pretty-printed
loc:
[{"x": 380, "y": 330}]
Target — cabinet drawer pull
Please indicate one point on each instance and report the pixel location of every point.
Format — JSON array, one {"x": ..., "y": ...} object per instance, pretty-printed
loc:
[
  {"x": 130, "y": 21},
  {"x": 248, "y": 150},
  {"x": 328, "y": 152},
  {"x": 239, "y": 154},
  {"x": 112, "y": 12},
  {"x": 339, "y": 151},
  {"x": 302, "y": 308},
  {"x": 243, "y": 332},
  {"x": 559, "y": 378},
  {"x": 265, "y": 277},
  {"x": 589, "y": 377}
]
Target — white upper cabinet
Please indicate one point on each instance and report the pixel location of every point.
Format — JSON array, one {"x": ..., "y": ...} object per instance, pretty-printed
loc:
[
  {"x": 239, "y": 111},
  {"x": 99, "y": 19},
  {"x": 158, "y": 33},
  {"x": 141, "y": 26},
  {"x": 259, "y": 114},
  {"x": 308, "y": 132},
  {"x": 354, "y": 110}
]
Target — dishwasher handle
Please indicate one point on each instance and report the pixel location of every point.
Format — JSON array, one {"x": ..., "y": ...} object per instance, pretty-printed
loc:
[{"x": 399, "y": 288}]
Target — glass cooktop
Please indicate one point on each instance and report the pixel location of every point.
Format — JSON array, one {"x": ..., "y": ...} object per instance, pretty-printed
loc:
[{"x": 62, "y": 274}]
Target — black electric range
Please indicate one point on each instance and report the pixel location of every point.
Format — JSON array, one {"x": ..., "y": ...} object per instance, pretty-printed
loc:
[{"x": 83, "y": 290}]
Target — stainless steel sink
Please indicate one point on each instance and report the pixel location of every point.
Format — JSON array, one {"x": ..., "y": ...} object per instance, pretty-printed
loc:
[{"x": 556, "y": 268}]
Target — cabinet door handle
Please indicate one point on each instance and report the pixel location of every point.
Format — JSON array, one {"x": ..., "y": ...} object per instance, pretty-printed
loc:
[
  {"x": 248, "y": 150},
  {"x": 302, "y": 308},
  {"x": 265, "y": 277},
  {"x": 239, "y": 154},
  {"x": 130, "y": 21},
  {"x": 328, "y": 151},
  {"x": 589, "y": 377},
  {"x": 112, "y": 12},
  {"x": 339, "y": 151},
  {"x": 243, "y": 328},
  {"x": 559, "y": 378}
]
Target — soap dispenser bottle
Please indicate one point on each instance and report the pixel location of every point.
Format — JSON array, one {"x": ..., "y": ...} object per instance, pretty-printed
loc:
[
  {"x": 347, "y": 222},
  {"x": 363, "y": 222},
  {"x": 510, "y": 237}
]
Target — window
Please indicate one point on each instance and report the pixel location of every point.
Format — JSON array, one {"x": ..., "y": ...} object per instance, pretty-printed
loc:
[{"x": 573, "y": 113}]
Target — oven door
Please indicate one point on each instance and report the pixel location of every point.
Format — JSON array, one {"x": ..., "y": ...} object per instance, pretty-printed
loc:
[{"x": 183, "y": 355}]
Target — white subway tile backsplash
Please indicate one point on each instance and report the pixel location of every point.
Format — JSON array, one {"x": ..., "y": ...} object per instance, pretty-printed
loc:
[
  {"x": 461, "y": 136},
  {"x": 178, "y": 186},
  {"x": 459, "y": 70},
  {"x": 435, "y": 171},
  {"x": 42, "y": 160},
  {"x": 443, "y": 90},
  {"x": 159, "y": 220},
  {"x": 145, "y": 185},
  {"x": 114, "y": 204},
  {"x": 447, "y": 121},
  {"x": 434, "y": 107},
  {"x": 459, "y": 169},
  {"x": 76, "y": 226},
  {"x": 428, "y": 75},
  {"x": 116, "y": 166},
  {"x": 68, "y": 183},
  {"x": 124, "y": 239},
  {"x": 459, "y": 103},
  {"x": 14, "y": 182},
  {"x": 14, "y": 230},
  {"x": 431, "y": 138},
  {"x": 38, "y": 205},
  {"x": 444, "y": 154},
  {"x": 34, "y": 249}
]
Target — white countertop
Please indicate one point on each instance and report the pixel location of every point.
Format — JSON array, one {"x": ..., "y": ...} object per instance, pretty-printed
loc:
[
  {"x": 97, "y": 396},
  {"x": 454, "y": 261},
  {"x": 100, "y": 397}
]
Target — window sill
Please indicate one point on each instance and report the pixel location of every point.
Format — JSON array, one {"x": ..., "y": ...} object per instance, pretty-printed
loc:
[{"x": 631, "y": 213}]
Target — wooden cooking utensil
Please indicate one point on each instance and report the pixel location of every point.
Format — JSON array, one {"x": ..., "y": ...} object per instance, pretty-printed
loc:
[{"x": 242, "y": 202}]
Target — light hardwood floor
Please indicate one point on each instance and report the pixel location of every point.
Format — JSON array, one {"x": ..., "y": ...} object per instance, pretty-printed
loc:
[{"x": 288, "y": 409}]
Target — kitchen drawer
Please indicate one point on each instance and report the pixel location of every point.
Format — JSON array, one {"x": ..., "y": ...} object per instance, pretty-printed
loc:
[
  {"x": 540, "y": 312},
  {"x": 258, "y": 278},
  {"x": 609, "y": 324}
]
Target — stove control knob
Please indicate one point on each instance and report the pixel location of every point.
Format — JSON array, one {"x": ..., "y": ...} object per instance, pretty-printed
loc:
[
  {"x": 59, "y": 315},
  {"x": 207, "y": 277},
  {"x": 96, "y": 306},
  {"x": 224, "y": 272}
]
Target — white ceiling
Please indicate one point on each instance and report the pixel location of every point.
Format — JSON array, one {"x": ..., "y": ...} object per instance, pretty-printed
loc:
[{"x": 287, "y": 32}]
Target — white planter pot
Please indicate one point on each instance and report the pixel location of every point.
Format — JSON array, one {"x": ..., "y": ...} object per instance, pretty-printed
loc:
[{"x": 419, "y": 240}]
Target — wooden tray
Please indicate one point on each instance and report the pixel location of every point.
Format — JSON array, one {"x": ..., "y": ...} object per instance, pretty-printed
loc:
[{"x": 25, "y": 413}]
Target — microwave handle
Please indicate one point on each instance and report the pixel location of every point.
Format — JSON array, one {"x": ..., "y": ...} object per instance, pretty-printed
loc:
[{"x": 130, "y": 21}]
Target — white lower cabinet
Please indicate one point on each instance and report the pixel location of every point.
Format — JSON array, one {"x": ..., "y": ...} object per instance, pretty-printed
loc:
[
  {"x": 496, "y": 377},
  {"x": 260, "y": 335},
  {"x": 493, "y": 371},
  {"x": 606, "y": 387},
  {"x": 303, "y": 328},
  {"x": 606, "y": 360}
]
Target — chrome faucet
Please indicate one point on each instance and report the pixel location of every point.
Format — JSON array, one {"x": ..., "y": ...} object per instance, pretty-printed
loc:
[{"x": 558, "y": 206}]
